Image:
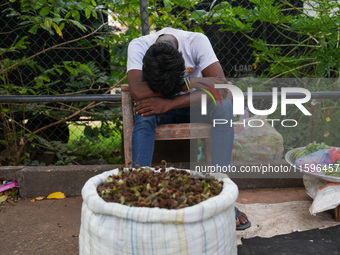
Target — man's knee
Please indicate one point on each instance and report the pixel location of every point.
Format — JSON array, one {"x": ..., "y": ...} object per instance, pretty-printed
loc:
[{"x": 146, "y": 120}]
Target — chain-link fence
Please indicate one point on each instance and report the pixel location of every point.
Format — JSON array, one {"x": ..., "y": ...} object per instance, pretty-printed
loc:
[{"x": 80, "y": 48}]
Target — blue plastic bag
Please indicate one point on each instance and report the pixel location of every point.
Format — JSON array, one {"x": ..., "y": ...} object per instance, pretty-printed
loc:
[{"x": 314, "y": 162}]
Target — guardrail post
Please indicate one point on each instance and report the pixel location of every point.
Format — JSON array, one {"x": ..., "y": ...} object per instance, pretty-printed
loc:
[{"x": 144, "y": 16}]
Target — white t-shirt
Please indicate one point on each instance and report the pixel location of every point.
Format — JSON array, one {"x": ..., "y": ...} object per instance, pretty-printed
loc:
[{"x": 196, "y": 50}]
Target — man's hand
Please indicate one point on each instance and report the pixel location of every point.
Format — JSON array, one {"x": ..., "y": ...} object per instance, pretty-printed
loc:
[
  {"x": 223, "y": 93},
  {"x": 153, "y": 105}
]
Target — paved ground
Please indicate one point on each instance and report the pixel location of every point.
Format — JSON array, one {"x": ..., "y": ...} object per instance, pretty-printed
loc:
[
  {"x": 52, "y": 226},
  {"x": 43, "y": 227}
]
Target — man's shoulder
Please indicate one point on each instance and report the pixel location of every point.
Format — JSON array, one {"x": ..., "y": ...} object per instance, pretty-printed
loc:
[
  {"x": 183, "y": 32},
  {"x": 138, "y": 44},
  {"x": 192, "y": 37},
  {"x": 144, "y": 41},
  {"x": 138, "y": 40}
]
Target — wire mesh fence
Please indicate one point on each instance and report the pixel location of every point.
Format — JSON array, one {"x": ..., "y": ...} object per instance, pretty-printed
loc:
[{"x": 80, "y": 48}]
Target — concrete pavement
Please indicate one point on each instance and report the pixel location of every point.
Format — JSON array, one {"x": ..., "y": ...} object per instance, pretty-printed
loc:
[{"x": 52, "y": 226}]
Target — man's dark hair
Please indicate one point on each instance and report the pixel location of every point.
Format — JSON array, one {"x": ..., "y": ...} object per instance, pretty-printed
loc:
[{"x": 163, "y": 68}]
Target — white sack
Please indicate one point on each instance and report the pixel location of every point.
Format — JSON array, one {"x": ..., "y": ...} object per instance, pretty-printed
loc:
[
  {"x": 326, "y": 195},
  {"x": 112, "y": 228}
]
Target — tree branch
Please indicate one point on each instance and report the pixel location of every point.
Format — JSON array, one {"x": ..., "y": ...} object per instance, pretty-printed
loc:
[
  {"x": 51, "y": 48},
  {"x": 92, "y": 104}
]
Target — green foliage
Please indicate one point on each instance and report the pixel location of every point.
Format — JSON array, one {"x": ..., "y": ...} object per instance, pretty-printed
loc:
[
  {"x": 311, "y": 49},
  {"x": 89, "y": 141},
  {"x": 19, "y": 138},
  {"x": 53, "y": 15},
  {"x": 312, "y": 35},
  {"x": 56, "y": 18}
]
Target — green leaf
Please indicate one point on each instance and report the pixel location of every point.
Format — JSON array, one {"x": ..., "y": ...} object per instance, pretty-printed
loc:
[
  {"x": 167, "y": 5},
  {"x": 85, "y": 68},
  {"x": 71, "y": 70},
  {"x": 221, "y": 6},
  {"x": 48, "y": 23},
  {"x": 76, "y": 14},
  {"x": 23, "y": 91},
  {"x": 60, "y": 72},
  {"x": 197, "y": 14},
  {"x": 76, "y": 23},
  {"x": 32, "y": 91},
  {"x": 87, "y": 13},
  {"x": 26, "y": 22},
  {"x": 57, "y": 29},
  {"x": 57, "y": 19},
  {"x": 67, "y": 15},
  {"x": 44, "y": 11},
  {"x": 34, "y": 29},
  {"x": 45, "y": 77}
]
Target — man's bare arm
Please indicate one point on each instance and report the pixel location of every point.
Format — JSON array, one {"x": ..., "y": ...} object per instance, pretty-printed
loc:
[
  {"x": 213, "y": 70},
  {"x": 138, "y": 87},
  {"x": 149, "y": 103}
]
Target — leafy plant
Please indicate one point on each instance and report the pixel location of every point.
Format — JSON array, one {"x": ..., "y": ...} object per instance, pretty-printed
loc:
[
  {"x": 89, "y": 141},
  {"x": 24, "y": 127},
  {"x": 54, "y": 21},
  {"x": 310, "y": 31},
  {"x": 308, "y": 48}
]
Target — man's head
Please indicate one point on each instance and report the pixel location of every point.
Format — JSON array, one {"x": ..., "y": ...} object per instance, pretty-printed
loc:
[{"x": 163, "y": 68}]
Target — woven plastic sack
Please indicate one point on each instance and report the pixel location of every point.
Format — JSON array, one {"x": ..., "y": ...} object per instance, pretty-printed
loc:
[
  {"x": 326, "y": 195},
  {"x": 112, "y": 228},
  {"x": 256, "y": 139}
]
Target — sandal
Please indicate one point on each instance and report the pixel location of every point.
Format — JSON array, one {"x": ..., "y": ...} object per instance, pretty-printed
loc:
[{"x": 241, "y": 226}]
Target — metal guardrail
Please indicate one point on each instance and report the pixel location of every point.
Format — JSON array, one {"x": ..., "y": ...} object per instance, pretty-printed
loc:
[
  {"x": 315, "y": 94},
  {"x": 55, "y": 98},
  {"x": 117, "y": 97}
]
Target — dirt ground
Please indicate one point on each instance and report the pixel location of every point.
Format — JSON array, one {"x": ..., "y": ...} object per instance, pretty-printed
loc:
[
  {"x": 52, "y": 226},
  {"x": 41, "y": 227}
]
